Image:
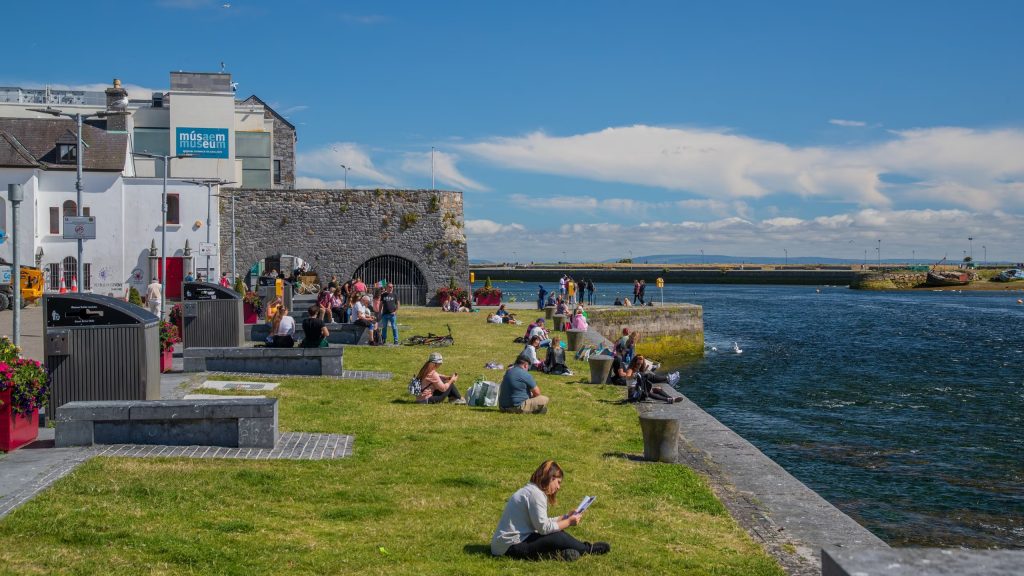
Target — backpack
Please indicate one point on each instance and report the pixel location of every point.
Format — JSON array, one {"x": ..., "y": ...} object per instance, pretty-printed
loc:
[
  {"x": 415, "y": 387},
  {"x": 640, "y": 390}
]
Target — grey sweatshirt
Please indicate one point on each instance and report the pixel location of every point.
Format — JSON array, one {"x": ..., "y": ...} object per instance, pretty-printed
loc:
[{"x": 525, "y": 512}]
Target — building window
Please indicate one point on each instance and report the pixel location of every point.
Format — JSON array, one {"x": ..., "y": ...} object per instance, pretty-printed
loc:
[
  {"x": 67, "y": 154},
  {"x": 87, "y": 280},
  {"x": 53, "y": 275},
  {"x": 277, "y": 171},
  {"x": 70, "y": 208},
  {"x": 54, "y": 220},
  {"x": 70, "y": 268},
  {"x": 173, "y": 209}
]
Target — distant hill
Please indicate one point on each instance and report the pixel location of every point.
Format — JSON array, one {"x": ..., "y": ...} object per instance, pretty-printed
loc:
[{"x": 721, "y": 259}]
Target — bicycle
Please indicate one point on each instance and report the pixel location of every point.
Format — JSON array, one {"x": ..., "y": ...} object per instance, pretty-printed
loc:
[
  {"x": 432, "y": 339},
  {"x": 307, "y": 288}
]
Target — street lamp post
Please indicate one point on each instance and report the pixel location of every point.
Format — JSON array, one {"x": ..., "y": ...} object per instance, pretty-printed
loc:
[
  {"x": 879, "y": 249},
  {"x": 16, "y": 194},
  {"x": 985, "y": 252},
  {"x": 786, "y": 250},
  {"x": 78, "y": 117},
  {"x": 163, "y": 225},
  {"x": 971, "y": 240},
  {"x": 702, "y": 257},
  {"x": 209, "y": 199},
  {"x": 346, "y": 174}
]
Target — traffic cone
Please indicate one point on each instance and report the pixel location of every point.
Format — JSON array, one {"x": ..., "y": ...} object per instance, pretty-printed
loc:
[
  {"x": 63, "y": 288},
  {"x": 74, "y": 283}
]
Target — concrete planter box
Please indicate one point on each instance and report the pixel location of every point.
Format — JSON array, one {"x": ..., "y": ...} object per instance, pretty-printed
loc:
[
  {"x": 488, "y": 300},
  {"x": 287, "y": 361}
]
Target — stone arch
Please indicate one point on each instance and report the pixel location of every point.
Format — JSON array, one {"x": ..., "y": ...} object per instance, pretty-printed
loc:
[{"x": 404, "y": 274}]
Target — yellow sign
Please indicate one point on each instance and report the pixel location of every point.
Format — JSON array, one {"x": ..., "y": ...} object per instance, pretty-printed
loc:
[
  {"x": 472, "y": 277},
  {"x": 660, "y": 282},
  {"x": 279, "y": 288}
]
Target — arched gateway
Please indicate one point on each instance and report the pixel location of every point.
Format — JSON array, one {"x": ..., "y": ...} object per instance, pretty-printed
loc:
[
  {"x": 413, "y": 238},
  {"x": 410, "y": 285}
]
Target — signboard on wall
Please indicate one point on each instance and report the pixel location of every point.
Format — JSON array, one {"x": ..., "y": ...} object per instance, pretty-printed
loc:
[
  {"x": 79, "y": 227},
  {"x": 202, "y": 142}
]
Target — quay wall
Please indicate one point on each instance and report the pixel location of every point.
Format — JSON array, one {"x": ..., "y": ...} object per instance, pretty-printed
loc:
[
  {"x": 814, "y": 277},
  {"x": 670, "y": 331}
]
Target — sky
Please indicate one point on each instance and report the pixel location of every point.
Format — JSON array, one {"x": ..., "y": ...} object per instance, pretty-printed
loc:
[{"x": 590, "y": 130}]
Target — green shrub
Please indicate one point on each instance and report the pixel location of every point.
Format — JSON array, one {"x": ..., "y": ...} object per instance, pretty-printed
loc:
[{"x": 134, "y": 297}]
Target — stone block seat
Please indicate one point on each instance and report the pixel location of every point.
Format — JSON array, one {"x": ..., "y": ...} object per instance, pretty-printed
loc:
[
  {"x": 350, "y": 334},
  {"x": 231, "y": 422},
  {"x": 261, "y": 360}
]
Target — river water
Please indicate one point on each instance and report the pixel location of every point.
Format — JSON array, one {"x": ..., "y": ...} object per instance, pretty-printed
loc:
[{"x": 905, "y": 410}]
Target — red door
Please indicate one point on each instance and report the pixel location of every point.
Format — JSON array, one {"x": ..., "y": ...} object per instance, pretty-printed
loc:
[{"x": 175, "y": 276}]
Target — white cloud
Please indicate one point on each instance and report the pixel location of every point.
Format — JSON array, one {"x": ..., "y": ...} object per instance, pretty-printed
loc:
[
  {"x": 489, "y": 227},
  {"x": 978, "y": 169},
  {"x": 445, "y": 171},
  {"x": 931, "y": 233},
  {"x": 847, "y": 123},
  {"x": 327, "y": 162}
]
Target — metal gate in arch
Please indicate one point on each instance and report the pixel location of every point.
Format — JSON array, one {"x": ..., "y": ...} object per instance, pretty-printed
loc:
[{"x": 410, "y": 285}]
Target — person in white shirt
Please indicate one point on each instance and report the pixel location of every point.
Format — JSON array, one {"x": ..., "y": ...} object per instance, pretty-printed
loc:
[
  {"x": 282, "y": 329},
  {"x": 526, "y": 532},
  {"x": 540, "y": 332},
  {"x": 364, "y": 317},
  {"x": 530, "y": 351},
  {"x": 154, "y": 297}
]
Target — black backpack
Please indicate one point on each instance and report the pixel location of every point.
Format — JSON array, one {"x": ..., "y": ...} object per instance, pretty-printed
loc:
[{"x": 641, "y": 389}]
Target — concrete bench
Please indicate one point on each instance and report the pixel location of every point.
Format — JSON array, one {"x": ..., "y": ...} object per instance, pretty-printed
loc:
[
  {"x": 233, "y": 423},
  {"x": 351, "y": 334},
  {"x": 287, "y": 361}
]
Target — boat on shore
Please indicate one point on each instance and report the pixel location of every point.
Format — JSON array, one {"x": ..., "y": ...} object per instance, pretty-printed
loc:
[
  {"x": 951, "y": 278},
  {"x": 1010, "y": 275}
]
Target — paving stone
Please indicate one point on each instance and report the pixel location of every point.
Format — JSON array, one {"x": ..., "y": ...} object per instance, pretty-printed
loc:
[{"x": 238, "y": 385}]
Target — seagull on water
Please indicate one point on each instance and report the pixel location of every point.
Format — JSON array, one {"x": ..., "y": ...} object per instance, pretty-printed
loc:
[{"x": 736, "y": 348}]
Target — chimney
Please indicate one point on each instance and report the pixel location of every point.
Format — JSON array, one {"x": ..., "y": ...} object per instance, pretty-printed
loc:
[{"x": 117, "y": 104}]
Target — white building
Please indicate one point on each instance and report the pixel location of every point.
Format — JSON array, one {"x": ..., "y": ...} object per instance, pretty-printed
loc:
[{"x": 223, "y": 139}]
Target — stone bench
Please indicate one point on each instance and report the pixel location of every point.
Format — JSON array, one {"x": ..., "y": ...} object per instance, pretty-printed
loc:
[
  {"x": 351, "y": 334},
  {"x": 233, "y": 423},
  {"x": 659, "y": 426},
  {"x": 287, "y": 361}
]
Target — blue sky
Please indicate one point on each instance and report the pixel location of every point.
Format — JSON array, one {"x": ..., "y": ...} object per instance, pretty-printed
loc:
[{"x": 599, "y": 127}]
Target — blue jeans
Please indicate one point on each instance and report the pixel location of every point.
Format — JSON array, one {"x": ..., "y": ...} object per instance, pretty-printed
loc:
[{"x": 385, "y": 321}]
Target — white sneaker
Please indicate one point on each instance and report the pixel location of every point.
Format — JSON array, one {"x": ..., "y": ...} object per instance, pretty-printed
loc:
[
  {"x": 673, "y": 378},
  {"x": 460, "y": 401}
]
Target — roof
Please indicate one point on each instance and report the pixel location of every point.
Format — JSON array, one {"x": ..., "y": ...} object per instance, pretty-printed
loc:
[
  {"x": 32, "y": 143},
  {"x": 271, "y": 110}
]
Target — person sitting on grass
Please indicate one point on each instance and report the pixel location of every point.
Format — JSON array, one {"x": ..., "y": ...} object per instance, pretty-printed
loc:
[
  {"x": 436, "y": 387},
  {"x": 506, "y": 316},
  {"x": 555, "y": 361},
  {"x": 519, "y": 392},
  {"x": 530, "y": 351},
  {"x": 526, "y": 532},
  {"x": 314, "y": 332},
  {"x": 539, "y": 331}
]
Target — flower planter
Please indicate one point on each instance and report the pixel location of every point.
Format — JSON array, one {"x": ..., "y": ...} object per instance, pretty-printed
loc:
[
  {"x": 249, "y": 315},
  {"x": 488, "y": 300},
  {"x": 166, "y": 360},
  {"x": 16, "y": 430}
]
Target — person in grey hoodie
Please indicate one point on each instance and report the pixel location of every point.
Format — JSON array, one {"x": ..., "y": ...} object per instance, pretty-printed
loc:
[{"x": 526, "y": 532}]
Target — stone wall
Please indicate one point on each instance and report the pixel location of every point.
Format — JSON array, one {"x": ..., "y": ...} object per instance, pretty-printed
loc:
[
  {"x": 670, "y": 331},
  {"x": 338, "y": 230}
]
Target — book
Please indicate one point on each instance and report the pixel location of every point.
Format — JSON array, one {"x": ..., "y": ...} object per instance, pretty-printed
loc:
[{"x": 587, "y": 501}]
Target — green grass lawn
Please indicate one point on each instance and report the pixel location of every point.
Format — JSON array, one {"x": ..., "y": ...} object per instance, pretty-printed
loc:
[{"x": 421, "y": 495}]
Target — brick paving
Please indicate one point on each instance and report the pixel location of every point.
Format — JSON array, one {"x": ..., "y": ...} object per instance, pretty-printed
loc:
[{"x": 290, "y": 446}]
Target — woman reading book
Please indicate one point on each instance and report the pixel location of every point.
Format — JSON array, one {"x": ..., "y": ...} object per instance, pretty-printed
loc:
[{"x": 526, "y": 532}]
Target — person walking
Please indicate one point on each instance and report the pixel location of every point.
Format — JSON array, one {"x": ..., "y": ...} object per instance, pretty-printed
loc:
[
  {"x": 224, "y": 280},
  {"x": 640, "y": 293},
  {"x": 154, "y": 297},
  {"x": 541, "y": 293},
  {"x": 389, "y": 313},
  {"x": 590, "y": 291}
]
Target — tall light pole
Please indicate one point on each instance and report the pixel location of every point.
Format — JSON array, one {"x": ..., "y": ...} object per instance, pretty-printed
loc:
[
  {"x": 209, "y": 199},
  {"x": 346, "y": 174},
  {"x": 163, "y": 227},
  {"x": 234, "y": 271},
  {"x": 16, "y": 194},
  {"x": 78, "y": 117},
  {"x": 913, "y": 256},
  {"x": 786, "y": 250},
  {"x": 432, "y": 168},
  {"x": 971, "y": 240},
  {"x": 702, "y": 256},
  {"x": 879, "y": 250},
  {"x": 985, "y": 251}
]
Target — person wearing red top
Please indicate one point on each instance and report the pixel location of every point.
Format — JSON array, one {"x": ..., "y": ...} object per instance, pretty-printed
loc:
[{"x": 360, "y": 288}]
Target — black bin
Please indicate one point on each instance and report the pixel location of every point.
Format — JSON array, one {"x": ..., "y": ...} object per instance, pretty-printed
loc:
[
  {"x": 211, "y": 316},
  {"x": 100, "y": 348}
]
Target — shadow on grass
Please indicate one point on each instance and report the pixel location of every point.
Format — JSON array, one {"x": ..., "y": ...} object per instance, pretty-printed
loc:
[
  {"x": 477, "y": 550},
  {"x": 625, "y": 456}
]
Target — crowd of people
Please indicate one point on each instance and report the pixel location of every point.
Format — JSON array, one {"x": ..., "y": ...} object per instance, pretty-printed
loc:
[{"x": 350, "y": 303}]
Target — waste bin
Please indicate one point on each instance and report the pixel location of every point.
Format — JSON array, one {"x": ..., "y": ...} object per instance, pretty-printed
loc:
[
  {"x": 100, "y": 348},
  {"x": 212, "y": 316}
]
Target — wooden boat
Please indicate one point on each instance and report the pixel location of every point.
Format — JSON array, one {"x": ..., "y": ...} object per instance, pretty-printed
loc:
[{"x": 947, "y": 278}]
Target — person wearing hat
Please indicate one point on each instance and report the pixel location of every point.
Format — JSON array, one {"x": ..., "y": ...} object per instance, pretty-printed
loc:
[
  {"x": 519, "y": 392},
  {"x": 436, "y": 387}
]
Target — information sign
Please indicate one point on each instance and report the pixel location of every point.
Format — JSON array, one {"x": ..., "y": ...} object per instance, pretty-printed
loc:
[
  {"x": 79, "y": 227},
  {"x": 207, "y": 249},
  {"x": 202, "y": 142}
]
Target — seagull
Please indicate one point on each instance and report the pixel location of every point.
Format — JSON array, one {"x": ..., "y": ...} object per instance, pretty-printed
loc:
[
  {"x": 736, "y": 348},
  {"x": 714, "y": 349},
  {"x": 120, "y": 103},
  {"x": 234, "y": 86}
]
